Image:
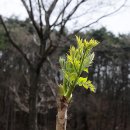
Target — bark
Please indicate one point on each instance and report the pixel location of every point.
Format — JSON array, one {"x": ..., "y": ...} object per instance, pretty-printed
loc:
[
  {"x": 61, "y": 119},
  {"x": 33, "y": 101}
]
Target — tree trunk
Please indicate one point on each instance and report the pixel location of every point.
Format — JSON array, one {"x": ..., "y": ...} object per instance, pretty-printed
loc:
[
  {"x": 33, "y": 101},
  {"x": 61, "y": 119}
]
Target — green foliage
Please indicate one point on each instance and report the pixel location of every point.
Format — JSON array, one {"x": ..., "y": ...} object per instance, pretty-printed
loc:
[
  {"x": 3, "y": 41},
  {"x": 104, "y": 36},
  {"x": 77, "y": 61}
]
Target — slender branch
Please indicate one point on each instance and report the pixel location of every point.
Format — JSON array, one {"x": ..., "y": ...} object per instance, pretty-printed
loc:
[
  {"x": 43, "y": 6},
  {"x": 62, "y": 11},
  {"x": 48, "y": 13},
  {"x": 40, "y": 16},
  {"x": 39, "y": 30},
  {"x": 31, "y": 15},
  {"x": 31, "y": 8},
  {"x": 111, "y": 13},
  {"x": 74, "y": 10},
  {"x": 82, "y": 14},
  {"x": 44, "y": 52},
  {"x": 67, "y": 18},
  {"x": 64, "y": 21},
  {"x": 13, "y": 42}
]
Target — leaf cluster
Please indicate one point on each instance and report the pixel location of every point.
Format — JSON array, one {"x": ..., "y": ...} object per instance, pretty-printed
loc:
[{"x": 77, "y": 60}]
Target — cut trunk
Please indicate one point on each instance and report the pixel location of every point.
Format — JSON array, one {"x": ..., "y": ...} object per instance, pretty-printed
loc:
[{"x": 61, "y": 119}]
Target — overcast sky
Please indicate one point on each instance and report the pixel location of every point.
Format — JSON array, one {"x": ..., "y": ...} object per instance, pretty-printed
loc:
[{"x": 117, "y": 23}]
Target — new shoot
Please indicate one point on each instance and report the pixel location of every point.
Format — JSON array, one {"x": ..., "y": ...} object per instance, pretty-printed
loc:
[{"x": 78, "y": 60}]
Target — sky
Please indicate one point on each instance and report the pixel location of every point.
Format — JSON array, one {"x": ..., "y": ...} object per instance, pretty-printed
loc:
[{"x": 118, "y": 23}]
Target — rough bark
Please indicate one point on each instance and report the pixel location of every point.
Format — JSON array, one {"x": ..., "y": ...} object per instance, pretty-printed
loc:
[{"x": 61, "y": 119}]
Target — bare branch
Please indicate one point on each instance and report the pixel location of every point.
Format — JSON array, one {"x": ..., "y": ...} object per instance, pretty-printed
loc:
[
  {"x": 64, "y": 21},
  {"x": 43, "y": 6},
  {"x": 74, "y": 10},
  {"x": 46, "y": 32},
  {"x": 39, "y": 30},
  {"x": 13, "y": 43},
  {"x": 61, "y": 12},
  {"x": 83, "y": 14},
  {"x": 101, "y": 17},
  {"x": 40, "y": 16},
  {"x": 31, "y": 8},
  {"x": 67, "y": 18},
  {"x": 31, "y": 15},
  {"x": 52, "y": 6},
  {"x": 48, "y": 13}
]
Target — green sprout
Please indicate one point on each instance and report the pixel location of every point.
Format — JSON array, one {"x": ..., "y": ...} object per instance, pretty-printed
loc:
[{"x": 78, "y": 60}]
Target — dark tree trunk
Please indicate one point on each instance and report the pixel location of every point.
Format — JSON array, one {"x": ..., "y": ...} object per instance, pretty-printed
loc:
[{"x": 33, "y": 100}]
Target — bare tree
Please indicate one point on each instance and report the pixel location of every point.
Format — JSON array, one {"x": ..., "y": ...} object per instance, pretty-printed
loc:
[{"x": 46, "y": 16}]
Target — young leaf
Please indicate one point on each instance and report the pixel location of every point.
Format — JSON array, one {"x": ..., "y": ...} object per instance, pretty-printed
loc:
[
  {"x": 86, "y": 70},
  {"x": 78, "y": 60},
  {"x": 81, "y": 81},
  {"x": 89, "y": 85}
]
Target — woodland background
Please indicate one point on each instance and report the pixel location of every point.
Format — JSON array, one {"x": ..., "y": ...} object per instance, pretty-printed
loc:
[
  {"x": 107, "y": 109},
  {"x": 30, "y": 71}
]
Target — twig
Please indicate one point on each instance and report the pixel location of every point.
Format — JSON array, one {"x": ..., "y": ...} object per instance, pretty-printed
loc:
[{"x": 77, "y": 31}]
